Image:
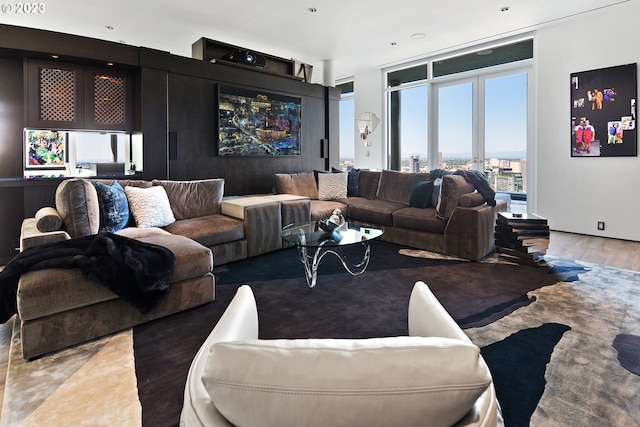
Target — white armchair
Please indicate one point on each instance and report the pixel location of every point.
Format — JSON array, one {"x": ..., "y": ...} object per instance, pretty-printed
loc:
[{"x": 433, "y": 377}]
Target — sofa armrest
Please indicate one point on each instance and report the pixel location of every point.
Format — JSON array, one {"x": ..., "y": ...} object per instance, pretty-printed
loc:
[
  {"x": 469, "y": 232},
  {"x": 30, "y": 236},
  {"x": 238, "y": 322}
]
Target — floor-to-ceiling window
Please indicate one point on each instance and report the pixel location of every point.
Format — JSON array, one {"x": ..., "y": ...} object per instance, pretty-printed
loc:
[
  {"x": 505, "y": 131},
  {"x": 407, "y": 118},
  {"x": 347, "y": 125},
  {"x": 455, "y": 118},
  {"x": 467, "y": 111}
]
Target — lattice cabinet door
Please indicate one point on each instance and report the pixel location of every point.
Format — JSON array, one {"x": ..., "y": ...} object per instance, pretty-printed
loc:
[
  {"x": 56, "y": 95},
  {"x": 108, "y": 99}
]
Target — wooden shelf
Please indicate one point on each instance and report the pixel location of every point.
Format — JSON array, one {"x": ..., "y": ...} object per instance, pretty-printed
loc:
[
  {"x": 214, "y": 51},
  {"x": 252, "y": 68},
  {"x": 523, "y": 239}
]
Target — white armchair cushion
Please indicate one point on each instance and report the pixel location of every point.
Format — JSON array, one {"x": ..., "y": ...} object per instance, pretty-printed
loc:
[{"x": 330, "y": 382}]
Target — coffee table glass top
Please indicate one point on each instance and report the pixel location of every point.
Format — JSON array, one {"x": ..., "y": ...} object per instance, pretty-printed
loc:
[{"x": 314, "y": 236}]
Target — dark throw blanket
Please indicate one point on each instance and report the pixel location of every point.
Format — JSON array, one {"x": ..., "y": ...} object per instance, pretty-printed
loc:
[
  {"x": 474, "y": 177},
  {"x": 135, "y": 271}
]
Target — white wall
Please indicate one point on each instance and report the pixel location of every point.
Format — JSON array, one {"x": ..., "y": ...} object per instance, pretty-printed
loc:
[
  {"x": 368, "y": 97},
  {"x": 575, "y": 193}
]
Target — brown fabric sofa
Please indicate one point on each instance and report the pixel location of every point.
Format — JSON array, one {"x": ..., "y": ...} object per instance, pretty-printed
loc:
[
  {"x": 195, "y": 206},
  {"x": 460, "y": 223},
  {"x": 62, "y": 307}
]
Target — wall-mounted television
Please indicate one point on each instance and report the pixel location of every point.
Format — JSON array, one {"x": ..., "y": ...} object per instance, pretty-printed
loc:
[
  {"x": 45, "y": 149},
  {"x": 253, "y": 122}
]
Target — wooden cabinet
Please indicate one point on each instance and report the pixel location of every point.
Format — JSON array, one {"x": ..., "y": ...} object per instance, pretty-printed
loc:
[
  {"x": 55, "y": 95},
  {"x": 108, "y": 100},
  {"x": 71, "y": 96}
]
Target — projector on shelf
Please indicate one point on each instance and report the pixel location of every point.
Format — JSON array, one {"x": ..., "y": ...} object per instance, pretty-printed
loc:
[{"x": 246, "y": 57}]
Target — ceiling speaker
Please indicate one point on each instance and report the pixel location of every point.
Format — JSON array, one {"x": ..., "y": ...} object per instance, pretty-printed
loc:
[{"x": 246, "y": 57}]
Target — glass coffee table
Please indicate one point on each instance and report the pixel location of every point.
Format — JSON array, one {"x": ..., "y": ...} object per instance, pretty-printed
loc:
[{"x": 314, "y": 243}]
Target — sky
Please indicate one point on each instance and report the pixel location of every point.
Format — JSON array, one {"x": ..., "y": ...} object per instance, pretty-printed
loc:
[{"x": 505, "y": 119}]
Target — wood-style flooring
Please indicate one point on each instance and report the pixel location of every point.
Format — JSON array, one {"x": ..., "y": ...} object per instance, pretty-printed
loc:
[{"x": 598, "y": 250}]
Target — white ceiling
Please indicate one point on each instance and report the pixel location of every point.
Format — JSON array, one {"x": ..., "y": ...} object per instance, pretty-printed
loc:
[{"x": 353, "y": 34}]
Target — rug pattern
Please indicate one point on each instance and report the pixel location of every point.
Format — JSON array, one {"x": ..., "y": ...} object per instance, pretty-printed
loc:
[
  {"x": 562, "y": 340},
  {"x": 93, "y": 384},
  {"x": 586, "y": 381}
]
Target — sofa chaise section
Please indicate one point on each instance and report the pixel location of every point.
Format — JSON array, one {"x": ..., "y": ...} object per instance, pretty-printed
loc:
[{"x": 60, "y": 307}]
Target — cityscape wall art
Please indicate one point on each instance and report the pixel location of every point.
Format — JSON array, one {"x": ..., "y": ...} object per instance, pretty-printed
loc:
[
  {"x": 603, "y": 112},
  {"x": 254, "y": 122}
]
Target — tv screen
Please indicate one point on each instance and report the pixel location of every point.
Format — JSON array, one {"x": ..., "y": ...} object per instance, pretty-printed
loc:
[{"x": 254, "y": 122}]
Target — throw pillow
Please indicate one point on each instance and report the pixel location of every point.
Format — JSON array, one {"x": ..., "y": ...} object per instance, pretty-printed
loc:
[
  {"x": 150, "y": 206},
  {"x": 396, "y": 186},
  {"x": 193, "y": 199},
  {"x": 437, "y": 185},
  {"x": 453, "y": 186},
  {"x": 77, "y": 204},
  {"x": 353, "y": 178},
  {"x": 332, "y": 186},
  {"x": 114, "y": 207},
  {"x": 323, "y": 382},
  {"x": 299, "y": 184},
  {"x": 421, "y": 194},
  {"x": 48, "y": 219},
  {"x": 317, "y": 172}
]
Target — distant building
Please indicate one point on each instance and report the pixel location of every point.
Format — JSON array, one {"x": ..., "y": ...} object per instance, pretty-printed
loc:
[{"x": 414, "y": 163}]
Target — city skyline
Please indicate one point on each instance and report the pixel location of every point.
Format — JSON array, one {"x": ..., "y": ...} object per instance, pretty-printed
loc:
[{"x": 505, "y": 113}]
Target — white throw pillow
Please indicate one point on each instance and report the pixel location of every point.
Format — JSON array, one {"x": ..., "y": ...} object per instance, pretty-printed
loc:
[
  {"x": 403, "y": 381},
  {"x": 150, "y": 206},
  {"x": 332, "y": 186}
]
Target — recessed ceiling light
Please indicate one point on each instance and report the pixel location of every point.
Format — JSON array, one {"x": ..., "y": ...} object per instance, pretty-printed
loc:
[
  {"x": 418, "y": 36},
  {"x": 55, "y": 56},
  {"x": 504, "y": 9},
  {"x": 312, "y": 9}
]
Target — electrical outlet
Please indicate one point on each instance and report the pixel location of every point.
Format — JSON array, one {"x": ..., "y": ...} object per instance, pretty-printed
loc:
[{"x": 600, "y": 225}]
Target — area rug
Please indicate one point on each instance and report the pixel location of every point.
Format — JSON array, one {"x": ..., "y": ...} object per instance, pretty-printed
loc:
[
  {"x": 93, "y": 384},
  {"x": 562, "y": 340}
]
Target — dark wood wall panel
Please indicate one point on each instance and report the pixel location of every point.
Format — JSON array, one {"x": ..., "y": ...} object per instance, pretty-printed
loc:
[
  {"x": 154, "y": 123},
  {"x": 11, "y": 207},
  {"x": 45, "y": 43},
  {"x": 192, "y": 119},
  {"x": 12, "y": 117},
  {"x": 193, "y": 123},
  {"x": 38, "y": 195}
]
